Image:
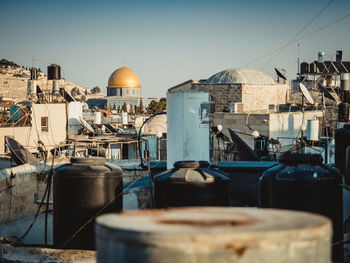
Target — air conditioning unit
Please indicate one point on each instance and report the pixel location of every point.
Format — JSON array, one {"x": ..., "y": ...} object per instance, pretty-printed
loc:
[{"x": 236, "y": 107}]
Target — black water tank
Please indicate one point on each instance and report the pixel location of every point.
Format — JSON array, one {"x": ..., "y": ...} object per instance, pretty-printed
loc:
[
  {"x": 302, "y": 182},
  {"x": 191, "y": 183},
  {"x": 53, "y": 72},
  {"x": 313, "y": 67},
  {"x": 81, "y": 189},
  {"x": 339, "y": 56},
  {"x": 33, "y": 73},
  {"x": 342, "y": 140},
  {"x": 343, "y": 112},
  {"x": 304, "y": 68}
]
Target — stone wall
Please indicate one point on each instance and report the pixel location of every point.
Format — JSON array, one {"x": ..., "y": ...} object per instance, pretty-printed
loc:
[
  {"x": 22, "y": 189},
  {"x": 259, "y": 97},
  {"x": 253, "y": 97},
  {"x": 222, "y": 94}
]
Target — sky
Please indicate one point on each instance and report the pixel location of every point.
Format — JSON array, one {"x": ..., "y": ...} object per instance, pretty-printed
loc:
[{"x": 169, "y": 42}]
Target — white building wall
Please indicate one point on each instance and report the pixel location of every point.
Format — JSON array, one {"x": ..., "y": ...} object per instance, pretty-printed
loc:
[
  {"x": 287, "y": 124},
  {"x": 29, "y": 136}
]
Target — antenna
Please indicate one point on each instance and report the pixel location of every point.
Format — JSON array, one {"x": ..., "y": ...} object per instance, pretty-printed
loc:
[
  {"x": 306, "y": 94},
  {"x": 33, "y": 61},
  {"x": 124, "y": 61},
  {"x": 298, "y": 59}
]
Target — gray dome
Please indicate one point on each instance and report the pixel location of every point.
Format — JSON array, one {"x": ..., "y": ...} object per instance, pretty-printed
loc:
[{"x": 240, "y": 75}]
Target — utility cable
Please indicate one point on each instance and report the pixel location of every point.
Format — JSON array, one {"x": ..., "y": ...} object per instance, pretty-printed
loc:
[
  {"x": 296, "y": 40},
  {"x": 298, "y": 33}
]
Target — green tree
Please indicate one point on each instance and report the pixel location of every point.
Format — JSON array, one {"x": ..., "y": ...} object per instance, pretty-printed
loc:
[
  {"x": 156, "y": 106},
  {"x": 141, "y": 109}
]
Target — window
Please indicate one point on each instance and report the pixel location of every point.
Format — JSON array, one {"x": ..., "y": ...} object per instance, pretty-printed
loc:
[{"x": 44, "y": 124}]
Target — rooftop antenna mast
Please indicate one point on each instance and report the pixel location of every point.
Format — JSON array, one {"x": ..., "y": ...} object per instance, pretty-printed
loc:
[
  {"x": 33, "y": 61},
  {"x": 124, "y": 62},
  {"x": 298, "y": 59}
]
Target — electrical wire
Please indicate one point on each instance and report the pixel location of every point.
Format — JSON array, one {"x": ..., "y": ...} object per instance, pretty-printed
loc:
[
  {"x": 37, "y": 213},
  {"x": 298, "y": 33},
  {"x": 297, "y": 40}
]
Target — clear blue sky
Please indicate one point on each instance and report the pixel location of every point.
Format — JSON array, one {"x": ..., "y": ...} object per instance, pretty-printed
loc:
[{"x": 167, "y": 42}]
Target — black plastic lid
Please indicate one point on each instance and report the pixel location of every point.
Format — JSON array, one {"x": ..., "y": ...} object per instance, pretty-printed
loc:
[
  {"x": 191, "y": 164},
  {"x": 298, "y": 158},
  {"x": 88, "y": 160}
]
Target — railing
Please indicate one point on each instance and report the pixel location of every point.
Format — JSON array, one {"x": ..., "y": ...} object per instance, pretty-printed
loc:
[{"x": 223, "y": 155}]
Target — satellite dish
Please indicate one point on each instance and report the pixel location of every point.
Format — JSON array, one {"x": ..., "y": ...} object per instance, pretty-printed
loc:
[
  {"x": 328, "y": 95},
  {"x": 19, "y": 153},
  {"x": 306, "y": 93},
  {"x": 86, "y": 125},
  {"x": 282, "y": 76}
]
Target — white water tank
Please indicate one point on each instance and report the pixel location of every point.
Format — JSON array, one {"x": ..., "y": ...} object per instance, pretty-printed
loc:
[
  {"x": 187, "y": 126},
  {"x": 56, "y": 86},
  {"x": 75, "y": 111},
  {"x": 124, "y": 118},
  {"x": 312, "y": 130},
  {"x": 345, "y": 81},
  {"x": 31, "y": 86},
  {"x": 97, "y": 117}
]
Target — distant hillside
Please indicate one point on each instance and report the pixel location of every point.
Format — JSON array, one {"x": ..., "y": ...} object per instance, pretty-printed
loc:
[{"x": 14, "y": 80}]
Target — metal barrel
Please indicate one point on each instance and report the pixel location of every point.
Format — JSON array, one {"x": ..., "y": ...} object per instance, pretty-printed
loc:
[{"x": 213, "y": 234}]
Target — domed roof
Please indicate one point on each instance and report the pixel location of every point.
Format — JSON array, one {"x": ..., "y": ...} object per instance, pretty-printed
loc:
[
  {"x": 124, "y": 77},
  {"x": 240, "y": 75}
]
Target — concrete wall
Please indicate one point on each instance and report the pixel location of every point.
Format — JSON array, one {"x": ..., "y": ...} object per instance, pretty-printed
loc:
[
  {"x": 287, "y": 124},
  {"x": 273, "y": 125},
  {"x": 241, "y": 123},
  {"x": 29, "y": 136}
]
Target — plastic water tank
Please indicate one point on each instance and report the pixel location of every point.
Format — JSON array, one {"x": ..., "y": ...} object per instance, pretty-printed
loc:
[
  {"x": 302, "y": 182},
  {"x": 191, "y": 183},
  {"x": 345, "y": 81},
  {"x": 97, "y": 117},
  {"x": 320, "y": 58},
  {"x": 81, "y": 189},
  {"x": 53, "y": 72},
  {"x": 343, "y": 112},
  {"x": 313, "y": 127},
  {"x": 124, "y": 118},
  {"x": 56, "y": 86},
  {"x": 32, "y": 86},
  {"x": 304, "y": 68},
  {"x": 213, "y": 234},
  {"x": 342, "y": 140},
  {"x": 33, "y": 73}
]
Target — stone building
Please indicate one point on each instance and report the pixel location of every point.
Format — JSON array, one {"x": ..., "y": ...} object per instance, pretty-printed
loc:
[
  {"x": 240, "y": 90},
  {"x": 124, "y": 87},
  {"x": 247, "y": 100}
]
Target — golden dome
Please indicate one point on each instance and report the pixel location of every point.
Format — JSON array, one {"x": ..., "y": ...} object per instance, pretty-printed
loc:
[{"x": 124, "y": 77}]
